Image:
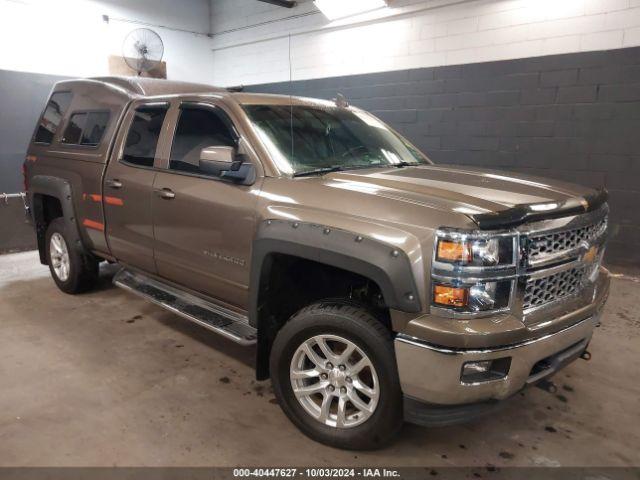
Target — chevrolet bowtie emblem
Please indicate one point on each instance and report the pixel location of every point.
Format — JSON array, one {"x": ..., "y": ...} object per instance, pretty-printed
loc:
[{"x": 591, "y": 255}]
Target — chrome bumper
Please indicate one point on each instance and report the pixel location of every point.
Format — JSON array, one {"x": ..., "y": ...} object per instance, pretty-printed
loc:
[{"x": 432, "y": 374}]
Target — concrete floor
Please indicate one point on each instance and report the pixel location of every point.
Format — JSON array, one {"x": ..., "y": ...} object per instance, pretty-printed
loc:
[{"x": 107, "y": 379}]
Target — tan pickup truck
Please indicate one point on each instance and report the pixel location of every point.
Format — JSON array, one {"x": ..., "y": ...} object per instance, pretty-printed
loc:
[{"x": 375, "y": 286}]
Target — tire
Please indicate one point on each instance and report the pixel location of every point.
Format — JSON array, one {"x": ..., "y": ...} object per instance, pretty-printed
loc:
[
  {"x": 81, "y": 273},
  {"x": 334, "y": 323}
]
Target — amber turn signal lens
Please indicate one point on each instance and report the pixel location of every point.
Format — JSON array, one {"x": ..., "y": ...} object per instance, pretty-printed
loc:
[
  {"x": 450, "y": 296},
  {"x": 450, "y": 251}
]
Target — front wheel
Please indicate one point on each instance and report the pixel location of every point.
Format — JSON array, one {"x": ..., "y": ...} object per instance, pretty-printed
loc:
[{"x": 334, "y": 372}]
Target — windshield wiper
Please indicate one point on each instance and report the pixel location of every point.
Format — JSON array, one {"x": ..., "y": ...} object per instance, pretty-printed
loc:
[
  {"x": 404, "y": 164},
  {"x": 318, "y": 171},
  {"x": 343, "y": 168}
]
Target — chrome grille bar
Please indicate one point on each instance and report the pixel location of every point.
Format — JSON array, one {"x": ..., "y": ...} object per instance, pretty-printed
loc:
[{"x": 546, "y": 247}]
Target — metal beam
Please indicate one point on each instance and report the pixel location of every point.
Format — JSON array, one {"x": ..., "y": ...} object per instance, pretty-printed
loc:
[{"x": 281, "y": 3}]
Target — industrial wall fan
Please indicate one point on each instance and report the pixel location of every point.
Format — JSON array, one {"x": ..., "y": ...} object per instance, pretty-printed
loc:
[{"x": 143, "y": 50}]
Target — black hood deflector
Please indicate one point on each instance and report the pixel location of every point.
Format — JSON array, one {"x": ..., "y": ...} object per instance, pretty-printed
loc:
[{"x": 520, "y": 214}]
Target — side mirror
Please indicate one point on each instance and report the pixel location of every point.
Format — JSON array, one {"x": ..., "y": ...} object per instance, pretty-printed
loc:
[
  {"x": 225, "y": 163},
  {"x": 215, "y": 160}
]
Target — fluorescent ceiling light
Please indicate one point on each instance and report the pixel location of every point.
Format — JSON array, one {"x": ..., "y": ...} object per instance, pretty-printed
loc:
[{"x": 334, "y": 9}]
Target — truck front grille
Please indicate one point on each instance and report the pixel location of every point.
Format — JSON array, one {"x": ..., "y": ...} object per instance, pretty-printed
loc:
[
  {"x": 549, "y": 244},
  {"x": 541, "y": 291}
]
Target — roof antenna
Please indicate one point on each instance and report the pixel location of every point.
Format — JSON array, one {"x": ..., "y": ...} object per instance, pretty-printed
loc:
[
  {"x": 341, "y": 101},
  {"x": 291, "y": 98}
]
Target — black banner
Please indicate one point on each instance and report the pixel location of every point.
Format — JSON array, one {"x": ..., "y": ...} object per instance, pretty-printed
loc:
[{"x": 304, "y": 473}]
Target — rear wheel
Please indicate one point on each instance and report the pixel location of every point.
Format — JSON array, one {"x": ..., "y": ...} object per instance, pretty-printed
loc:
[
  {"x": 335, "y": 376},
  {"x": 73, "y": 268}
]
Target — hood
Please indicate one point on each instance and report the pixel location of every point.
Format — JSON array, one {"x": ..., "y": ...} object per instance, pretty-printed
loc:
[{"x": 490, "y": 198}]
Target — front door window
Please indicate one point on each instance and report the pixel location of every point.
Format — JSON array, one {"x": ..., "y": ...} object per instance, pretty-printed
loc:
[{"x": 199, "y": 128}]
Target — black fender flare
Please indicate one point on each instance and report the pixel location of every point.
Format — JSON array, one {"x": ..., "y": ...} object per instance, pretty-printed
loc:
[
  {"x": 382, "y": 263},
  {"x": 58, "y": 188}
]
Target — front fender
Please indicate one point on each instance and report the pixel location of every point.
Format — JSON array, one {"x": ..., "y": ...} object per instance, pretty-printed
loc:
[{"x": 382, "y": 263}]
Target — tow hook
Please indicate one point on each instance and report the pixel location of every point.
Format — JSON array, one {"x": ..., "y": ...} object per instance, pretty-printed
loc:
[
  {"x": 547, "y": 386},
  {"x": 586, "y": 355}
]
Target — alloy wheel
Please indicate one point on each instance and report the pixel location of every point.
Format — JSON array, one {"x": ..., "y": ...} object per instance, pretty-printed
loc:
[
  {"x": 59, "y": 254},
  {"x": 334, "y": 381}
]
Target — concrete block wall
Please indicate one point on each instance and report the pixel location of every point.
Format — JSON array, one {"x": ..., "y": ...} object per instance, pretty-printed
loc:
[
  {"x": 257, "y": 43},
  {"x": 548, "y": 87},
  {"x": 574, "y": 117},
  {"x": 543, "y": 86}
]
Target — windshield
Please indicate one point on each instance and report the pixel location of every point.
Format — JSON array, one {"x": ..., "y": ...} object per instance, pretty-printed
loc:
[{"x": 303, "y": 138}]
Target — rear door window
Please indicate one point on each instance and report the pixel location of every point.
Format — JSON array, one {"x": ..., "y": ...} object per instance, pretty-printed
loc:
[
  {"x": 144, "y": 134},
  {"x": 86, "y": 128},
  {"x": 52, "y": 117}
]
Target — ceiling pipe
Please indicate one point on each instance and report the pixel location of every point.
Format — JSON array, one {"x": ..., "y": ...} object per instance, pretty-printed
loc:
[{"x": 281, "y": 3}]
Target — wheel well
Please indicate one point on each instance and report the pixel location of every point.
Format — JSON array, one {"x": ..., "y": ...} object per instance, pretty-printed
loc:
[
  {"x": 289, "y": 283},
  {"x": 45, "y": 209}
]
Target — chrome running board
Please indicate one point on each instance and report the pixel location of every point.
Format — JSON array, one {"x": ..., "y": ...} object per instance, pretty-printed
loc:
[{"x": 206, "y": 314}]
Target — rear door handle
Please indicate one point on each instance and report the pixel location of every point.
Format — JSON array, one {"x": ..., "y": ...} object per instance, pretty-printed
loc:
[
  {"x": 115, "y": 183},
  {"x": 166, "y": 193}
]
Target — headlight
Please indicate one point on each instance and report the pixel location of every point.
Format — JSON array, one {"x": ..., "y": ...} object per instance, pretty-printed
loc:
[
  {"x": 480, "y": 297},
  {"x": 473, "y": 271},
  {"x": 462, "y": 249}
]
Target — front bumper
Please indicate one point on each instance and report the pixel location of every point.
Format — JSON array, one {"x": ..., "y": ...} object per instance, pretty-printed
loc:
[
  {"x": 430, "y": 365},
  {"x": 432, "y": 374}
]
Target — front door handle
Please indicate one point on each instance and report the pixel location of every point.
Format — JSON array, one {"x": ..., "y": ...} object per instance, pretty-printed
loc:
[
  {"x": 166, "y": 193},
  {"x": 114, "y": 183}
]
